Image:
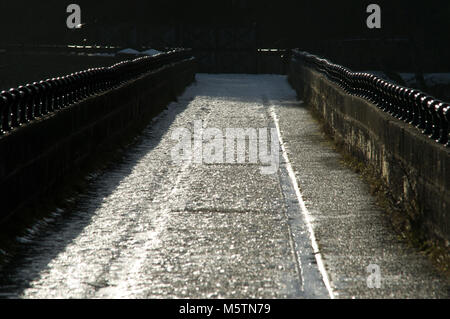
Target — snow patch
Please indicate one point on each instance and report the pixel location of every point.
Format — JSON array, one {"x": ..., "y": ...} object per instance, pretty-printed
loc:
[
  {"x": 129, "y": 51},
  {"x": 151, "y": 52}
]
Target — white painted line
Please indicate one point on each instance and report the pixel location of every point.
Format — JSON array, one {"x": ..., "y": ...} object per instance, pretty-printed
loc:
[{"x": 303, "y": 208}]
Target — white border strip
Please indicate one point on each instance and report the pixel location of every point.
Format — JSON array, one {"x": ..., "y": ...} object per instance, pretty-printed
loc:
[{"x": 303, "y": 208}]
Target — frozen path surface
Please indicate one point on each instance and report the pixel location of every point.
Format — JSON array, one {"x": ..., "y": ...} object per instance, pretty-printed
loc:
[{"x": 152, "y": 228}]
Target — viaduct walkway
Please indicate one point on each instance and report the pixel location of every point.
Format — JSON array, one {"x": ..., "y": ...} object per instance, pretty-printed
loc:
[{"x": 152, "y": 227}]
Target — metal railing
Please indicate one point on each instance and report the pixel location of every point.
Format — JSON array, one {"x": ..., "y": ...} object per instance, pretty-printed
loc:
[
  {"x": 21, "y": 105},
  {"x": 428, "y": 114}
]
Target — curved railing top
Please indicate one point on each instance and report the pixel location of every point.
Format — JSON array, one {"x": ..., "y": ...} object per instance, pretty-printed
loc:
[
  {"x": 423, "y": 111},
  {"x": 21, "y": 105}
]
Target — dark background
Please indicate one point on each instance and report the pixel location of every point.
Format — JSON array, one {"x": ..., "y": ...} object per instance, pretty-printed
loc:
[
  {"x": 415, "y": 35},
  {"x": 280, "y": 23}
]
